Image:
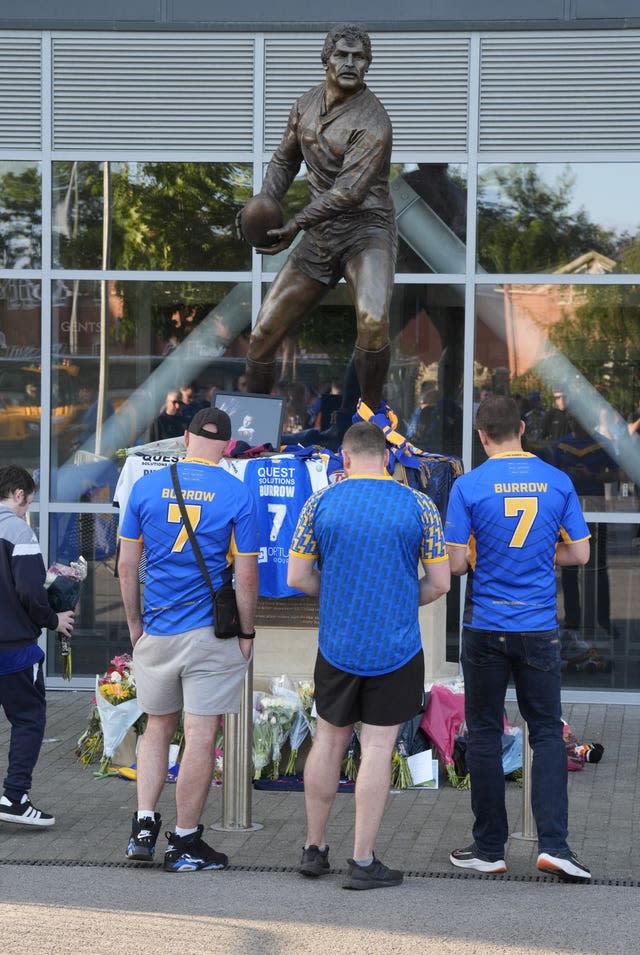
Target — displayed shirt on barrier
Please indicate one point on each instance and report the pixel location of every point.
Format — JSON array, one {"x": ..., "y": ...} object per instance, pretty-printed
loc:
[{"x": 280, "y": 484}]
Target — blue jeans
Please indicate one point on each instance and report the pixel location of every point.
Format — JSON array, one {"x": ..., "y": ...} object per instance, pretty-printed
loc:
[{"x": 489, "y": 658}]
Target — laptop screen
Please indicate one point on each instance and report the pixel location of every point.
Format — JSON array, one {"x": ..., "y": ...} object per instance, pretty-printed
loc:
[{"x": 256, "y": 419}]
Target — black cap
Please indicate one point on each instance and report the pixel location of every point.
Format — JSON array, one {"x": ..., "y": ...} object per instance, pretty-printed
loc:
[{"x": 215, "y": 416}]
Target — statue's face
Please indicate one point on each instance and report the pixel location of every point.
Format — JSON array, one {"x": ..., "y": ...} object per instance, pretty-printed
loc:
[{"x": 347, "y": 66}]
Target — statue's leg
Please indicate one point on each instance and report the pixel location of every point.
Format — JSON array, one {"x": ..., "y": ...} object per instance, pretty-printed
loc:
[
  {"x": 290, "y": 296},
  {"x": 369, "y": 276}
]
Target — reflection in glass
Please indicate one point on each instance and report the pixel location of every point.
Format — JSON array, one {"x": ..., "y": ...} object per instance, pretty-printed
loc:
[
  {"x": 160, "y": 336},
  {"x": 20, "y": 372},
  {"x": 20, "y": 214},
  {"x": 425, "y": 378},
  {"x": 427, "y": 347},
  {"x": 536, "y": 217},
  {"x": 570, "y": 354},
  {"x": 163, "y": 216},
  {"x": 100, "y": 629},
  {"x": 431, "y": 211},
  {"x": 599, "y": 612}
]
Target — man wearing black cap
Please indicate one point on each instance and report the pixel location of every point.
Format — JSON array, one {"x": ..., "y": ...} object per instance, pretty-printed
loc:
[{"x": 179, "y": 662}]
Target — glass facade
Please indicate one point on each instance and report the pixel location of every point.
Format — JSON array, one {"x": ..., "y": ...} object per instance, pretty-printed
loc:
[{"x": 123, "y": 280}]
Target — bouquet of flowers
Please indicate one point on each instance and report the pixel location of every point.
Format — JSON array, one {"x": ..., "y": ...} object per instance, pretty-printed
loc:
[
  {"x": 89, "y": 745},
  {"x": 218, "y": 766},
  {"x": 116, "y": 704},
  {"x": 302, "y": 725},
  {"x": 63, "y": 584},
  {"x": 400, "y": 772},
  {"x": 279, "y": 712},
  {"x": 261, "y": 741},
  {"x": 307, "y": 699},
  {"x": 350, "y": 762}
]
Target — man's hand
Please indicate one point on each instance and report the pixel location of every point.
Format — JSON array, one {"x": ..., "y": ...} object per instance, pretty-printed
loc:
[
  {"x": 282, "y": 238},
  {"x": 135, "y": 632},
  {"x": 245, "y": 647},
  {"x": 65, "y": 622}
]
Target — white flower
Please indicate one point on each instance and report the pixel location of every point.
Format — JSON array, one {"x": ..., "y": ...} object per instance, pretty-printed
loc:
[{"x": 115, "y": 677}]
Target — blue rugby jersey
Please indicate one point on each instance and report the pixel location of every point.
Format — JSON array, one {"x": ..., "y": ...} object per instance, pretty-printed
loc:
[
  {"x": 223, "y": 516},
  {"x": 511, "y": 511},
  {"x": 368, "y": 535},
  {"x": 280, "y": 486}
]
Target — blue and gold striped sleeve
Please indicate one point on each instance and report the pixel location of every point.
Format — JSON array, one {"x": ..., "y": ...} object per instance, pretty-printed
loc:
[
  {"x": 304, "y": 543},
  {"x": 432, "y": 547}
]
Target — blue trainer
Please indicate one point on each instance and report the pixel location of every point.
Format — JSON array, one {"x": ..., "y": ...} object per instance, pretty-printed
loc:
[
  {"x": 142, "y": 841},
  {"x": 190, "y": 853}
]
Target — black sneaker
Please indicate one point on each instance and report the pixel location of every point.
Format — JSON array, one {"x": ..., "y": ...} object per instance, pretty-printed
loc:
[
  {"x": 472, "y": 858},
  {"x": 376, "y": 875},
  {"x": 566, "y": 866},
  {"x": 314, "y": 861},
  {"x": 23, "y": 812},
  {"x": 190, "y": 853},
  {"x": 142, "y": 841},
  {"x": 594, "y": 753}
]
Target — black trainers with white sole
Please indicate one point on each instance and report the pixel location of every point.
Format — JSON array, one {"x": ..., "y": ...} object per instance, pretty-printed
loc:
[
  {"x": 23, "y": 812},
  {"x": 566, "y": 866}
]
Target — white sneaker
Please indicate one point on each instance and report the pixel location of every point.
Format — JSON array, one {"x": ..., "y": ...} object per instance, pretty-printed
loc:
[{"x": 568, "y": 868}]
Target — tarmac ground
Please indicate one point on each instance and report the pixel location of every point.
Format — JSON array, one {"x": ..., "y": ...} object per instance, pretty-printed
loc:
[{"x": 70, "y": 887}]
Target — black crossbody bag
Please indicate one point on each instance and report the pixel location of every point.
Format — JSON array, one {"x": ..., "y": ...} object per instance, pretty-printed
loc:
[{"x": 226, "y": 620}]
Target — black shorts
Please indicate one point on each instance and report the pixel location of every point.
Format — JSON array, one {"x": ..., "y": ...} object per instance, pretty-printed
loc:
[{"x": 386, "y": 700}]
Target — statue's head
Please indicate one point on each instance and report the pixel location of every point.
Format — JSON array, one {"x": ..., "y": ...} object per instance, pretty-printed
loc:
[{"x": 348, "y": 31}]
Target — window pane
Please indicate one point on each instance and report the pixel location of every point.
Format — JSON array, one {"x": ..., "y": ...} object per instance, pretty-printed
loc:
[
  {"x": 20, "y": 215},
  {"x": 20, "y": 372},
  {"x": 178, "y": 216},
  {"x": 545, "y": 217},
  {"x": 427, "y": 344},
  {"x": 100, "y": 629},
  {"x": 598, "y": 612},
  {"x": 425, "y": 379},
  {"x": 571, "y": 354},
  {"x": 431, "y": 212},
  {"x": 157, "y": 338}
]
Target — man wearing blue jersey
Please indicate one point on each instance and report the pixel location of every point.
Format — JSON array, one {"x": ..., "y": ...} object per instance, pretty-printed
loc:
[
  {"x": 357, "y": 546},
  {"x": 510, "y": 522},
  {"x": 179, "y": 662}
]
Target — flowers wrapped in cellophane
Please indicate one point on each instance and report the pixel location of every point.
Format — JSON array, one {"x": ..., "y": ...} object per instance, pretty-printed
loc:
[
  {"x": 63, "y": 584},
  {"x": 261, "y": 742},
  {"x": 350, "y": 762},
  {"x": 400, "y": 772},
  {"x": 279, "y": 711},
  {"x": 304, "y": 724},
  {"x": 117, "y": 705}
]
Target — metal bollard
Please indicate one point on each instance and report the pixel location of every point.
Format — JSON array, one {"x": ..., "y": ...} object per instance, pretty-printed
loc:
[
  {"x": 238, "y": 770},
  {"x": 529, "y": 831}
]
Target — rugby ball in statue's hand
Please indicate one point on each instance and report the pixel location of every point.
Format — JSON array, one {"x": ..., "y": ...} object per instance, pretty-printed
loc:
[{"x": 260, "y": 214}]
